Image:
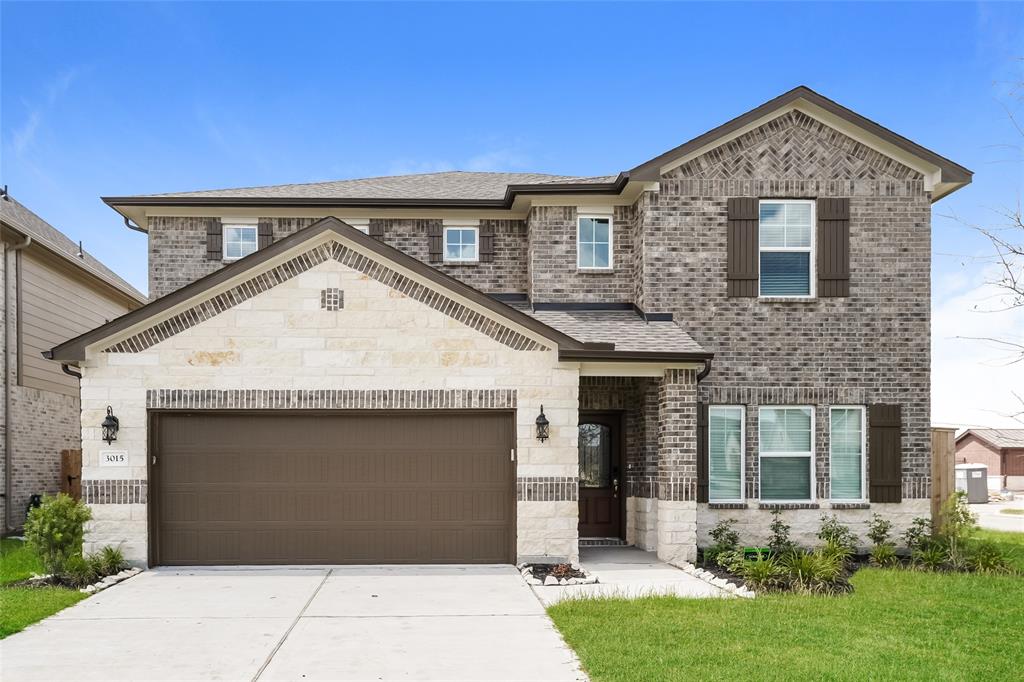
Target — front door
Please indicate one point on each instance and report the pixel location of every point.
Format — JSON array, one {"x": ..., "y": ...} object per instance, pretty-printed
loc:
[{"x": 601, "y": 494}]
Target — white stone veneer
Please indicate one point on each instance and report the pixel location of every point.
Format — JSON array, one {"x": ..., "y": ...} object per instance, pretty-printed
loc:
[{"x": 381, "y": 339}]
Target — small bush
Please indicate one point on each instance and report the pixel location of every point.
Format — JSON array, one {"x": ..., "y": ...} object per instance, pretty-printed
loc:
[
  {"x": 930, "y": 555},
  {"x": 763, "y": 573},
  {"x": 724, "y": 535},
  {"x": 112, "y": 560},
  {"x": 79, "y": 571},
  {"x": 779, "y": 541},
  {"x": 55, "y": 530},
  {"x": 813, "y": 571},
  {"x": 918, "y": 533},
  {"x": 879, "y": 530},
  {"x": 883, "y": 555},
  {"x": 837, "y": 535},
  {"x": 842, "y": 553},
  {"x": 731, "y": 560},
  {"x": 985, "y": 557}
]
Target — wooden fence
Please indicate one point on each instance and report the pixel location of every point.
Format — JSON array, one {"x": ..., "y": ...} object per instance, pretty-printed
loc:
[
  {"x": 943, "y": 469},
  {"x": 71, "y": 473}
]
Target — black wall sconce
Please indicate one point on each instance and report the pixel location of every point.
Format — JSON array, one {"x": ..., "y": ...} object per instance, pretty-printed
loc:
[
  {"x": 110, "y": 426},
  {"x": 542, "y": 426}
]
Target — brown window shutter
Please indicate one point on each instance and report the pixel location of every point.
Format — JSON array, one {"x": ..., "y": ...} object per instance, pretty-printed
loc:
[
  {"x": 702, "y": 452},
  {"x": 376, "y": 229},
  {"x": 486, "y": 242},
  {"x": 265, "y": 234},
  {"x": 435, "y": 239},
  {"x": 214, "y": 239},
  {"x": 833, "y": 247},
  {"x": 885, "y": 454},
  {"x": 743, "y": 246}
]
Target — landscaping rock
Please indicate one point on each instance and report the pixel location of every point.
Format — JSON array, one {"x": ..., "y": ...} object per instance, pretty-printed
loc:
[
  {"x": 533, "y": 581},
  {"x": 551, "y": 580}
]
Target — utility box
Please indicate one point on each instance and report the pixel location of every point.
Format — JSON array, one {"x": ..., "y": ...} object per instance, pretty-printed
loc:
[{"x": 973, "y": 480}]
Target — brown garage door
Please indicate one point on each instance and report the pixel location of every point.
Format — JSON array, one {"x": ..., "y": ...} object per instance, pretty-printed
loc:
[{"x": 312, "y": 488}]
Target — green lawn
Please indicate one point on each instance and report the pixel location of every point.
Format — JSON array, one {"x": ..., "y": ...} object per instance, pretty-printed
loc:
[
  {"x": 22, "y": 606},
  {"x": 897, "y": 624}
]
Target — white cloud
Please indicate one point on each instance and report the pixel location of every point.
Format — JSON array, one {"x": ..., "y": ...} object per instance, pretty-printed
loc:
[{"x": 974, "y": 377}]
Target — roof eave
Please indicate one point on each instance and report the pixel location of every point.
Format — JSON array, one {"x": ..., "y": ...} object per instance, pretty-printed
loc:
[{"x": 600, "y": 355}]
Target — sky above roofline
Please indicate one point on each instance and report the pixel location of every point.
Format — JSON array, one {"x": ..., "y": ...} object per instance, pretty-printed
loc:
[{"x": 87, "y": 109}]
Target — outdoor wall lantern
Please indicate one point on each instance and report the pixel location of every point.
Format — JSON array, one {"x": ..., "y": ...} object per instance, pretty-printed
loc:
[
  {"x": 110, "y": 426},
  {"x": 542, "y": 426}
]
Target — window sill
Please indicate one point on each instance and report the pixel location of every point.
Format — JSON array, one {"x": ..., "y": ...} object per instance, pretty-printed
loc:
[
  {"x": 787, "y": 299},
  {"x": 471, "y": 263},
  {"x": 850, "y": 505},
  {"x": 727, "y": 505},
  {"x": 788, "y": 505},
  {"x": 595, "y": 271}
]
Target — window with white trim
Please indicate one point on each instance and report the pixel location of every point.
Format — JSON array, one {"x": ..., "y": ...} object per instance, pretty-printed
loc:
[
  {"x": 846, "y": 453},
  {"x": 461, "y": 244},
  {"x": 786, "y": 242},
  {"x": 239, "y": 241},
  {"x": 594, "y": 242},
  {"x": 786, "y": 453},
  {"x": 361, "y": 224},
  {"x": 725, "y": 453}
]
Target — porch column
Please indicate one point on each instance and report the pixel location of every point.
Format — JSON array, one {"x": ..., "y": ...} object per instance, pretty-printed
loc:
[{"x": 677, "y": 466}]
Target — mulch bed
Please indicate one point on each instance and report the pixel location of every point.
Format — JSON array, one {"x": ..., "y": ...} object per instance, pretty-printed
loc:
[{"x": 542, "y": 571}]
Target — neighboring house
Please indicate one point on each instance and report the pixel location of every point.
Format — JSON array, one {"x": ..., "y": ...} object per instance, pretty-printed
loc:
[
  {"x": 52, "y": 291},
  {"x": 1001, "y": 450},
  {"x": 356, "y": 371}
]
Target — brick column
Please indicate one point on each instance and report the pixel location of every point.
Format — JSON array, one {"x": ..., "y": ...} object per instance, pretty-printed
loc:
[{"x": 677, "y": 466}]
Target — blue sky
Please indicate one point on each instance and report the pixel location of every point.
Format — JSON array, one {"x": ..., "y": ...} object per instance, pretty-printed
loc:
[{"x": 125, "y": 98}]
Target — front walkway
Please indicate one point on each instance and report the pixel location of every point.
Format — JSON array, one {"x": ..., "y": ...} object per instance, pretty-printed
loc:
[
  {"x": 346, "y": 623},
  {"x": 629, "y": 572}
]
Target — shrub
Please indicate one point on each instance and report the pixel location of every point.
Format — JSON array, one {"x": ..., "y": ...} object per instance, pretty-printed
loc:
[
  {"x": 724, "y": 535},
  {"x": 79, "y": 571},
  {"x": 918, "y": 533},
  {"x": 779, "y": 541},
  {"x": 956, "y": 527},
  {"x": 836, "y": 534},
  {"x": 731, "y": 560},
  {"x": 842, "y": 553},
  {"x": 763, "y": 573},
  {"x": 112, "y": 560},
  {"x": 930, "y": 555},
  {"x": 986, "y": 557},
  {"x": 883, "y": 555},
  {"x": 55, "y": 530},
  {"x": 813, "y": 571},
  {"x": 879, "y": 530}
]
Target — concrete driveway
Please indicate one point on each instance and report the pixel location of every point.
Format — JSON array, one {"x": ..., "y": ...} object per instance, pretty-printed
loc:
[{"x": 346, "y": 623}]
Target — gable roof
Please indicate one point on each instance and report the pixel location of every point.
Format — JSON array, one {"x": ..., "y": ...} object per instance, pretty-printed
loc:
[
  {"x": 458, "y": 189},
  {"x": 23, "y": 221},
  {"x": 951, "y": 175},
  {"x": 997, "y": 438},
  {"x": 74, "y": 349}
]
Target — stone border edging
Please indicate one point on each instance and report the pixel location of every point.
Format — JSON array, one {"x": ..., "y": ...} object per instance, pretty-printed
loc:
[
  {"x": 711, "y": 579},
  {"x": 110, "y": 580}
]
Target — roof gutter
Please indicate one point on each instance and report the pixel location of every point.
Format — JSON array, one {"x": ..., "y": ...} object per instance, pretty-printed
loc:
[{"x": 611, "y": 355}]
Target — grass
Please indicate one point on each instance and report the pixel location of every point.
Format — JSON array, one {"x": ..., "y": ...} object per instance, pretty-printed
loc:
[
  {"x": 897, "y": 624},
  {"x": 22, "y": 606},
  {"x": 1013, "y": 512}
]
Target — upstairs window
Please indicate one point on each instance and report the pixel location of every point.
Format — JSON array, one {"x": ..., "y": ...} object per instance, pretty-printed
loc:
[
  {"x": 786, "y": 233},
  {"x": 594, "y": 243},
  {"x": 239, "y": 241},
  {"x": 461, "y": 244}
]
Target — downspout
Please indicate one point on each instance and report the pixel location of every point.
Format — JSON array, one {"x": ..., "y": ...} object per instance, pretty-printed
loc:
[
  {"x": 130, "y": 226},
  {"x": 66, "y": 368},
  {"x": 704, "y": 372},
  {"x": 8, "y": 484}
]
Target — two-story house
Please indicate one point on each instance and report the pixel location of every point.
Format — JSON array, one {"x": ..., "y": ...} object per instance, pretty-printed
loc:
[{"x": 491, "y": 367}]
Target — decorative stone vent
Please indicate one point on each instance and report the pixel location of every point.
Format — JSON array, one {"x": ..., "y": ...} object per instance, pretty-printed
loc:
[{"x": 332, "y": 299}]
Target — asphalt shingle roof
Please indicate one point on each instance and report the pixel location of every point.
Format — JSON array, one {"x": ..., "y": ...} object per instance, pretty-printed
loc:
[
  {"x": 25, "y": 221},
  {"x": 627, "y": 330},
  {"x": 1001, "y": 438},
  {"x": 446, "y": 185}
]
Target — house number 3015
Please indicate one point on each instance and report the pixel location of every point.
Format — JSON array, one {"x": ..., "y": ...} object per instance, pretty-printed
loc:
[{"x": 113, "y": 458}]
